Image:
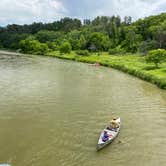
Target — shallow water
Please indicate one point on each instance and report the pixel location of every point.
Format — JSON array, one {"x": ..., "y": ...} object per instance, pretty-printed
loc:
[{"x": 52, "y": 112}]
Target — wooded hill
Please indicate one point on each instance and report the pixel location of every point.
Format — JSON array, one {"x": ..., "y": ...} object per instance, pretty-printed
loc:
[{"x": 104, "y": 33}]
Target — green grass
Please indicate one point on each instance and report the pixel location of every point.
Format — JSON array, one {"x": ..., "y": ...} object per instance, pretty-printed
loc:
[{"x": 131, "y": 64}]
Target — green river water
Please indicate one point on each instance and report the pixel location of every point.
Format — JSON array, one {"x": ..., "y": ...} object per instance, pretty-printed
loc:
[{"x": 52, "y": 112}]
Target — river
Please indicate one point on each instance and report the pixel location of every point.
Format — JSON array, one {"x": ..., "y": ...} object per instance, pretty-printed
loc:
[{"x": 52, "y": 112}]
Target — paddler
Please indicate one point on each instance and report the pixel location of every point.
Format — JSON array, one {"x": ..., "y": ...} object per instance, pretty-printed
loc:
[{"x": 114, "y": 124}]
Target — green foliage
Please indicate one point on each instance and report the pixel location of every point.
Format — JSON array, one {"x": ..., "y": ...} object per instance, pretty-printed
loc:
[
  {"x": 11, "y": 41},
  {"x": 127, "y": 20},
  {"x": 46, "y": 36},
  {"x": 131, "y": 64},
  {"x": 67, "y": 24},
  {"x": 53, "y": 46},
  {"x": 146, "y": 46},
  {"x": 100, "y": 34},
  {"x": 117, "y": 50},
  {"x": 65, "y": 48},
  {"x": 132, "y": 40},
  {"x": 77, "y": 40},
  {"x": 83, "y": 52},
  {"x": 98, "y": 42},
  {"x": 156, "y": 56},
  {"x": 32, "y": 46}
]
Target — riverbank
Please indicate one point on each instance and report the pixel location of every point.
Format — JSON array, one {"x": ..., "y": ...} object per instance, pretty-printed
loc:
[
  {"x": 8, "y": 52},
  {"x": 131, "y": 64}
]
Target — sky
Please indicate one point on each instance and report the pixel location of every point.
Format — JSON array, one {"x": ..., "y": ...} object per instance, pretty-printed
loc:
[{"x": 29, "y": 11}]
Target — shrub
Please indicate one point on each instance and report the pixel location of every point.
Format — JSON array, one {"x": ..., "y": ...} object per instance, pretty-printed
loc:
[
  {"x": 42, "y": 50},
  {"x": 149, "y": 68},
  {"x": 83, "y": 52},
  {"x": 65, "y": 48},
  {"x": 156, "y": 56},
  {"x": 32, "y": 46},
  {"x": 44, "y": 36},
  {"x": 98, "y": 42},
  {"x": 116, "y": 50},
  {"x": 53, "y": 46}
]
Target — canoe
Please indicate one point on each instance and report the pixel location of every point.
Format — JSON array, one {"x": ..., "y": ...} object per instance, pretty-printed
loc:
[{"x": 112, "y": 135}]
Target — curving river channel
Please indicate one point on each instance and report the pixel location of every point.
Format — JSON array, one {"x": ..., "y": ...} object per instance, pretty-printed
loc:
[{"x": 52, "y": 112}]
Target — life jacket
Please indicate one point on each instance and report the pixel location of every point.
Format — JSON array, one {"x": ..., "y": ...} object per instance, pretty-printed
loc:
[{"x": 105, "y": 137}]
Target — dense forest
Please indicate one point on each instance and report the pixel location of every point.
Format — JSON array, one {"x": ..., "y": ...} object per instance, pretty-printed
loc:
[{"x": 103, "y": 33}]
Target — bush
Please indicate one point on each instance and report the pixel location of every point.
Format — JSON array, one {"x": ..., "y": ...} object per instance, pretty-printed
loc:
[
  {"x": 42, "y": 50},
  {"x": 44, "y": 36},
  {"x": 156, "y": 56},
  {"x": 65, "y": 48},
  {"x": 31, "y": 46},
  {"x": 53, "y": 46},
  {"x": 83, "y": 52},
  {"x": 98, "y": 42},
  {"x": 149, "y": 68},
  {"x": 116, "y": 50}
]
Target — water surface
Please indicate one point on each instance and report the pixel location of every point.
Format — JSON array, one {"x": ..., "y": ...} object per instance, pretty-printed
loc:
[{"x": 52, "y": 112}]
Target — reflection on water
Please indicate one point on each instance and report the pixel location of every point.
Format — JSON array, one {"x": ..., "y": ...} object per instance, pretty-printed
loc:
[{"x": 52, "y": 112}]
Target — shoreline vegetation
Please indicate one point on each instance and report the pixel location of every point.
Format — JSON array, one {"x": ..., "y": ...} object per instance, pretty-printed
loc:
[
  {"x": 137, "y": 48},
  {"x": 133, "y": 64}
]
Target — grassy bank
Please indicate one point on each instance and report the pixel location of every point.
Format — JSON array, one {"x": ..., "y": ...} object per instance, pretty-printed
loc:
[{"x": 131, "y": 64}]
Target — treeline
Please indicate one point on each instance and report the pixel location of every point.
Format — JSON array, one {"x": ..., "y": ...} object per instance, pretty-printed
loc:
[{"x": 101, "y": 34}]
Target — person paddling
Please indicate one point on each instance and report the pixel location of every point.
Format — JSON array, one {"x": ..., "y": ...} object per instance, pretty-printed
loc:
[
  {"x": 113, "y": 124},
  {"x": 105, "y": 136}
]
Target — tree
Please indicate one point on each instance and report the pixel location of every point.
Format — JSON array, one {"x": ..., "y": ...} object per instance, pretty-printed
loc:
[
  {"x": 76, "y": 39},
  {"x": 127, "y": 20},
  {"x": 53, "y": 46},
  {"x": 132, "y": 40},
  {"x": 146, "y": 46},
  {"x": 44, "y": 36},
  {"x": 11, "y": 41},
  {"x": 98, "y": 42},
  {"x": 161, "y": 36},
  {"x": 32, "y": 46},
  {"x": 73, "y": 37},
  {"x": 87, "y": 22},
  {"x": 65, "y": 48},
  {"x": 35, "y": 27},
  {"x": 156, "y": 56},
  {"x": 82, "y": 42},
  {"x": 67, "y": 24},
  {"x": 158, "y": 33},
  {"x": 100, "y": 34}
]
